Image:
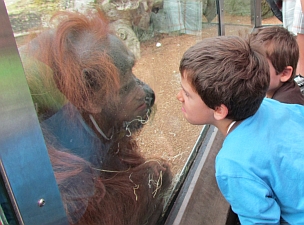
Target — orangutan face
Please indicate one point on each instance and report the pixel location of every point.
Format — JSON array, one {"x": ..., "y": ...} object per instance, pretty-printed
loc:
[{"x": 135, "y": 97}]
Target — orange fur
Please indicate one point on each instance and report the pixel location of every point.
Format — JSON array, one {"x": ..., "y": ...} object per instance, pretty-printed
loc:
[{"x": 128, "y": 189}]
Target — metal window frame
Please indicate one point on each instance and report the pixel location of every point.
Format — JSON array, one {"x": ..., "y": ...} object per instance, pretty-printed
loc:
[
  {"x": 256, "y": 13},
  {"x": 220, "y": 13}
]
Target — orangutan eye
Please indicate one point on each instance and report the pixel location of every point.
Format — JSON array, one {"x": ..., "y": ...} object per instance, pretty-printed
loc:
[{"x": 91, "y": 80}]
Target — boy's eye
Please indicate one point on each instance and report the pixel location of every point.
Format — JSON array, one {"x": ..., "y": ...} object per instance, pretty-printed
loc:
[{"x": 186, "y": 93}]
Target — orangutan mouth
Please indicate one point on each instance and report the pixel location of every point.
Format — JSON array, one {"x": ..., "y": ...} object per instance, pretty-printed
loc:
[
  {"x": 136, "y": 123},
  {"x": 142, "y": 107}
]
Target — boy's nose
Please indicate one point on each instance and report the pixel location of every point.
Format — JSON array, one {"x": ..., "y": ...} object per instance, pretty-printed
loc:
[{"x": 179, "y": 96}]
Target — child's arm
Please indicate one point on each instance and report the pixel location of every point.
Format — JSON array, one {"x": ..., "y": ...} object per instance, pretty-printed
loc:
[{"x": 302, "y": 5}]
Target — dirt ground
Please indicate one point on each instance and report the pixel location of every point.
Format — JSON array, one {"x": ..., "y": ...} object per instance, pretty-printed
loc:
[{"x": 168, "y": 135}]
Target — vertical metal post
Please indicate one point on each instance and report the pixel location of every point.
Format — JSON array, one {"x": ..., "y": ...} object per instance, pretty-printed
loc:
[
  {"x": 256, "y": 13},
  {"x": 24, "y": 162},
  {"x": 220, "y": 13}
]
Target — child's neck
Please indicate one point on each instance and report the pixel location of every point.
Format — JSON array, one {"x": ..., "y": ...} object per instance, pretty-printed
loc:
[
  {"x": 225, "y": 126},
  {"x": 269, "y": 95},
  {"x": 230, "y": 126}
]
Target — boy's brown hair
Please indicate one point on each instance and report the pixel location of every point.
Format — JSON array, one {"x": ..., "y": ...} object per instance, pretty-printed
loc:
[
  {"x": 280, "y": 45},
  {"x": 228, "y": 70}
]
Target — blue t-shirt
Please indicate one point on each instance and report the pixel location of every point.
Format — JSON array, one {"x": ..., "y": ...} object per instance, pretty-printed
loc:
[{"x": 260, "y": 168}]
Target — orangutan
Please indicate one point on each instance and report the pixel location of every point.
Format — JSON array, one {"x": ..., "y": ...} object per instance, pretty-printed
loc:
[{"x": 91, "y": 107}]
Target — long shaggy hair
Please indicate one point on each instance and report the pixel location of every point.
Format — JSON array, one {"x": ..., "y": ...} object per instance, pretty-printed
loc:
[{"x": 61, "y": 68}]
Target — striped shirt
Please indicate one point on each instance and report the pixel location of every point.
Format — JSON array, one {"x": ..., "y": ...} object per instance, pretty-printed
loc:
[{"x": 293, "y": 17}]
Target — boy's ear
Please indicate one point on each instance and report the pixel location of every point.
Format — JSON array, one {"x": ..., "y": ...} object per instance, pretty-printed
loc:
[
  {"x": 220, "y": 112},
  {"x": 286, "y": 74}
]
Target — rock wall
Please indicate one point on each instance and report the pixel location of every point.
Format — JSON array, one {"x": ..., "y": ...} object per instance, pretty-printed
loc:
[{"x": 138, "y": 20}]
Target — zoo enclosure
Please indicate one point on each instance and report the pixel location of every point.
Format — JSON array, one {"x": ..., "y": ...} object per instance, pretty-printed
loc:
[{"x": 23, "y": 152}]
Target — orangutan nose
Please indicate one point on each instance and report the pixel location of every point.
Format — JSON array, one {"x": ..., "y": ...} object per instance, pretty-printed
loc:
[{"x": 150, "y": 95}]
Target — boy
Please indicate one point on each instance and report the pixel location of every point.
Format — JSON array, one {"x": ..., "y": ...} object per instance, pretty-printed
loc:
[
  {"x": 282, "y": 51},
  {"x": 259, "y": 168}
]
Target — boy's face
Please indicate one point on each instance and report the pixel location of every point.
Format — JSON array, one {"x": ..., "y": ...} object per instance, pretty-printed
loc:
[
  {"x": 275, "y": 80},
  {"x": 194, "y": 109}
]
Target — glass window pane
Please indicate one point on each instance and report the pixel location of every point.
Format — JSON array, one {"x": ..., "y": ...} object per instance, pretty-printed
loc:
[
  {"x": 158, "y": 35},
  {"x": 238, "y": 17}
]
